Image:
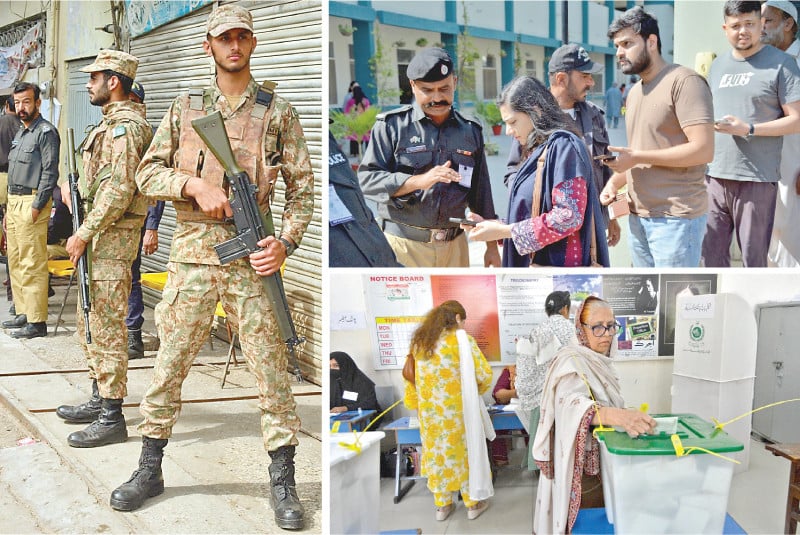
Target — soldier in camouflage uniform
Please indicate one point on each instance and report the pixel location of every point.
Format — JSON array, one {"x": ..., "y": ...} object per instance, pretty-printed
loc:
[
  {"x": 115, "y": 211},
  {"x": 266, "y": 138}
]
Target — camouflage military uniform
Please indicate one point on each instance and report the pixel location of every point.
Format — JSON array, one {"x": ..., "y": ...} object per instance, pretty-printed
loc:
[
  {"x": 111, "y": 154},
  {"x": 196, "y": 279}
]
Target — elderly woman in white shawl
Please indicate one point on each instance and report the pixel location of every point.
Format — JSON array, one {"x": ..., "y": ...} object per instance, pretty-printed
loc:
[{"x": 581, "y": 391}]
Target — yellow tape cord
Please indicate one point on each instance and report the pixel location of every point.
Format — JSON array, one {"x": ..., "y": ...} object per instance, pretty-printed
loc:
[
  {"x": 356, "y": 446},
  {"x": 680, "y": 451}
]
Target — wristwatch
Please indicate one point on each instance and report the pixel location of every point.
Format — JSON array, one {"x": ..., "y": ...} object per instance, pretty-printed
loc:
[
  {"x": 751, "y": 132},
  {"x": 290, "y": 247}
]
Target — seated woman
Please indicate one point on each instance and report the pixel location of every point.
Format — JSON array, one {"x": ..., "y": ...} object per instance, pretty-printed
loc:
[
  {"x": 351, "y": 389},
  {"x": 553, "y": 219},
  {"x": 504, "y": 391},
  {"x": 581, "y": 390}
]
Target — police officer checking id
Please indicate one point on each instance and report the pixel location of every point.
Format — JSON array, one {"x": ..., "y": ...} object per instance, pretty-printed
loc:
[{"x": 425, "y": 164}]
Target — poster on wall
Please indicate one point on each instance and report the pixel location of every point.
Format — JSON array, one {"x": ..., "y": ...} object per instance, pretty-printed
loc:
[
  {"x": 144, "y": 16},
  {"x": 478, "y": 295},
  {"x": 671, "y": 286},
  {"x": 634, "y": 299},
  {"x": 396, "y": 305},
  {"x": 520, "y": 308}
]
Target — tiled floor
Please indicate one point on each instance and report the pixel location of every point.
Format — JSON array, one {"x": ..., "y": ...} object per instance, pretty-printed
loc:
[{"x": 757, "y": 501}]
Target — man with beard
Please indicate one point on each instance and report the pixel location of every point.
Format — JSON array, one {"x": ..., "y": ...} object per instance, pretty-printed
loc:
[
  {"x": 780, "y": 27},
  {"x": 425, "y": 164},
  {"x": 114, "y": 212},
  {"x": 571, "y": 71},
  {"x": 756, "y": 90},
  {"x": 179, "y": 167},
  {"x": 32, "y": 175},
  {"x": 669, "y": 122}
]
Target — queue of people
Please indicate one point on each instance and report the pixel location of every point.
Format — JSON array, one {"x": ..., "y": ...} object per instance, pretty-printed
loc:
[{"x": 703, "y": 161}]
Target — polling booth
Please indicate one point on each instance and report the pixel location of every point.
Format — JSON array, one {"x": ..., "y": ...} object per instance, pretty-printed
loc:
[{"x": 715, "y": 363}]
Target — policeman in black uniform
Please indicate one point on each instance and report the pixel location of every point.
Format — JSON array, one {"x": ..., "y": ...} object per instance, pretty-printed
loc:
[
  {"x": 425, "y": 164},
  {"x": 354, "y": 239}
]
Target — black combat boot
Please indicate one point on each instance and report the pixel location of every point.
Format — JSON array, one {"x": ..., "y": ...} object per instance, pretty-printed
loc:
[
  {"x": 85, "y": 413},
  {"x": 147, "y": 481},
  {"x": 109, "y": 428},
  {"x": 288, "y": 509},
  {"x": 135, "y": 344}
]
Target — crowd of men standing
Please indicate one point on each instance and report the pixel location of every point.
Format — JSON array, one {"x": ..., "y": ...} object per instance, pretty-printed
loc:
[{"x": 707, "y": 160}]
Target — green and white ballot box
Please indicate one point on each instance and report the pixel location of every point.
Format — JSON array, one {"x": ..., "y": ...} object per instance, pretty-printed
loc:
[{"x": 657, "y": 484}]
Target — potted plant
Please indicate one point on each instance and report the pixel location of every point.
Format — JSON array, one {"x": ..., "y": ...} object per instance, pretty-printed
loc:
[
  {"x": 353, "y": 125},
  {"x": 490, "y": 114}
]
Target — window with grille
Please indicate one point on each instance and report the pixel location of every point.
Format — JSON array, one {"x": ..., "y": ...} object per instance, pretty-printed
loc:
[{"x": 12, "y": 34}]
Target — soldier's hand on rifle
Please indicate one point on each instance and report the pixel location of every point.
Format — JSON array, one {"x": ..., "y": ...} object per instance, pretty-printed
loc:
[
  {"x": 212, "y": 200},
  {"x": 75, "y": 247},
  {"x": 66, "y": 196},
  {"x": 269, "y": 259}
]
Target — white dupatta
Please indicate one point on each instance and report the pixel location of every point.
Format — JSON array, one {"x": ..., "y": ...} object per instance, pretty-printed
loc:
[{"x": 477, "y": 424}]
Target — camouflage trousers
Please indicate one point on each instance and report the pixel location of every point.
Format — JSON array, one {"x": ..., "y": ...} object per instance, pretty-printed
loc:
[
  {"x": 107, "y": 355},
  {"x": 184, "y": 317}
]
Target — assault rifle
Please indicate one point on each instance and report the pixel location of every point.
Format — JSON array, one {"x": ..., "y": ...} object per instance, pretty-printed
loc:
[
  {"x": 251, "y": 226},
  {"x": 77, "y": 219}
]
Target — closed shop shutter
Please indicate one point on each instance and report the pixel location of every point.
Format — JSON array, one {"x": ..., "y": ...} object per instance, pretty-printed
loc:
[{"x": 289, "y": 52}]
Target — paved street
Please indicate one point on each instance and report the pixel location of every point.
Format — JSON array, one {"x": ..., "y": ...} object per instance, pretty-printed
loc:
[{"x": 215, "y": 465}]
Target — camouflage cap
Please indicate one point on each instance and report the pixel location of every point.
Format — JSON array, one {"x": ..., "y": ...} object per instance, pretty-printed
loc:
[
  {"x": 228, "y": 17},
  {"x": 114, "y": 60}
]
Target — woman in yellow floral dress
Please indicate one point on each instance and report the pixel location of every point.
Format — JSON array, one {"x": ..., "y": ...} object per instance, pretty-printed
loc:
[{"x": 437, "y": 396}]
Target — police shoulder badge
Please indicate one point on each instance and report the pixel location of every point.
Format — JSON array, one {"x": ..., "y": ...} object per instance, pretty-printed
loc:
[{"x": 119, "y": 130}]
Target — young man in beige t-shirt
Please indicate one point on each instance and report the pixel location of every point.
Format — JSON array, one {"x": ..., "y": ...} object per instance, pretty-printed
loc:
[{"x": 670, "y": 126}]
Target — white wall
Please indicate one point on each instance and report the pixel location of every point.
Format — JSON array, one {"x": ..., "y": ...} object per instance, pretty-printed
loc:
[
  {"x": 532, "y": 18},
  {"x": 698, "y": 28}
]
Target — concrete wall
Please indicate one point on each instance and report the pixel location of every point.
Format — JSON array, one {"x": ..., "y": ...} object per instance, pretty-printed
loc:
[{"x": 698, "y": 28}]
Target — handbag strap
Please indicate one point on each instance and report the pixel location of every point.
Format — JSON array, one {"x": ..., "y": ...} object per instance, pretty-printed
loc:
[
  {"x": 537, "y": 185},
  {"x": 593, "y": 245}
]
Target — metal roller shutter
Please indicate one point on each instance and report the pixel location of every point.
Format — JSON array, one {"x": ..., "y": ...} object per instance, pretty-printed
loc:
[{"x": 289, "y": 52}]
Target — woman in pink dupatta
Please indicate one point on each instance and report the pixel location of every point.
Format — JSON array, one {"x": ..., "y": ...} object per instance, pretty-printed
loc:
[{"x": 581, "y": 390}]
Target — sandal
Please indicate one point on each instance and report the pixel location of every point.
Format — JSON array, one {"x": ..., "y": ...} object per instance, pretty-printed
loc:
[
  {"x": 477, "y": 510},
  {"x": 443, "y": 512}
]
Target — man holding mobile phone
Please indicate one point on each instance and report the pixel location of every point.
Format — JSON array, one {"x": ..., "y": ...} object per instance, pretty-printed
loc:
[
  {"x": 669, "y": 123},
  {"x": 756, "y": 90}
]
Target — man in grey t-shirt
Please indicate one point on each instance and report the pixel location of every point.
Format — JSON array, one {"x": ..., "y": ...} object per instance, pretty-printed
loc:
[{"x": 756, "y": 91}]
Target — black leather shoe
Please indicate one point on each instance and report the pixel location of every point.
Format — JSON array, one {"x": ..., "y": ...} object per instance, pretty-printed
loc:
[
  {"x": 31, "y": 330},
  {"x": 50, "y": 291},
  {"x": 285, "y": 503},
  {"x": 17, "y": 321},
  {"x": 135, "y": 344},
  {"x": 85, "y": 413},
  {"x": 144, "y": 483},
  {"x": 109, "y": 428}
]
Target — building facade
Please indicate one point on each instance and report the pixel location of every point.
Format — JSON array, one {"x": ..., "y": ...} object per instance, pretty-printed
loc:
[{"x": 373, "y": 41}]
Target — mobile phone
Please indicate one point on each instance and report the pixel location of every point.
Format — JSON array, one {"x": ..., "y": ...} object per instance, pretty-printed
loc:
[
  {"x": 721, "y": 121},
  {"x": 605, "y": 157},
  {"x": 463, "y": 221}
]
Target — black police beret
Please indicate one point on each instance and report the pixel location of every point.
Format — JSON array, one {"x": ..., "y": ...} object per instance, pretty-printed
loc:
[{"x": 430, "y": 65}]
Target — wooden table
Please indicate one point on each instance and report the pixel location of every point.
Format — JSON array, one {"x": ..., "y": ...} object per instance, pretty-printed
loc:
[{"x": 791, "y": 452}]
